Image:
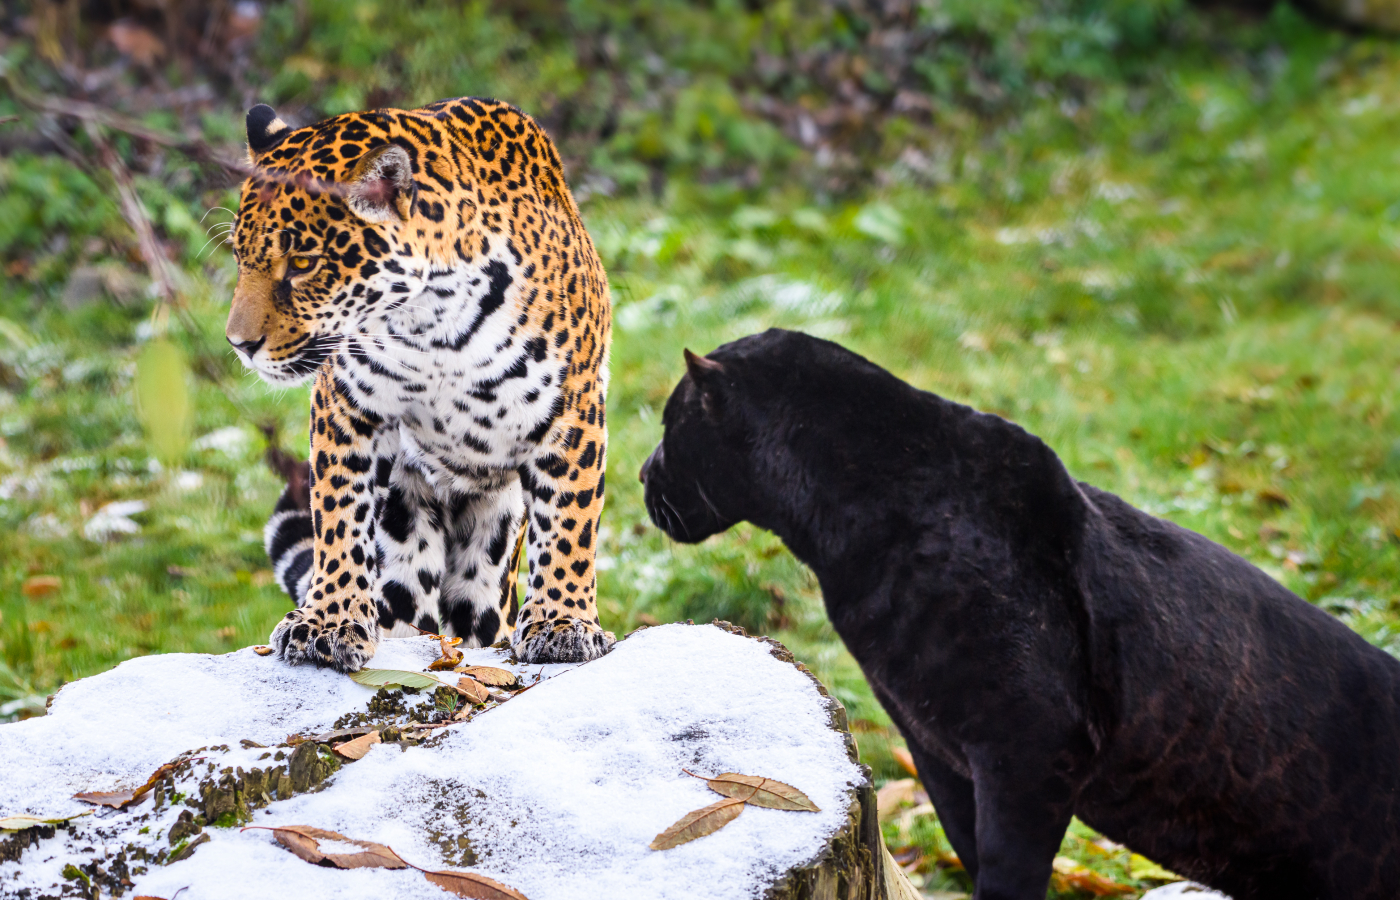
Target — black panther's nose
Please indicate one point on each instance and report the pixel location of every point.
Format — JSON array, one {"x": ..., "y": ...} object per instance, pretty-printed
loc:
[
  {"x": 655, "y": 457},
  {"x": 249, "y": 347}
]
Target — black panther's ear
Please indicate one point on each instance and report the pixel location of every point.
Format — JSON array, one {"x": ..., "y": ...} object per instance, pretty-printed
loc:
[
  {"x": 381, "y": 186},
  {"x": 265, "y": 130},
  {"x": 706, "y": 374}
]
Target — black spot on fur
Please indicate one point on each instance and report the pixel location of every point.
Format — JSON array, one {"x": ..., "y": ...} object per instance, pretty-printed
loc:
[
  {"x": 400, "y": 601},
  {"x": 397, "y": 518}
]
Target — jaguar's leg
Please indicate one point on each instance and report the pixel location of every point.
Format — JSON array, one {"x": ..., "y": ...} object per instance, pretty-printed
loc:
[
  {"x": 288, "y": 535},
  {"x": 338, "y": 624},
  {"x": 564, "y": 488},
  {"x": 483, "y": 553},
  {"x": 410, "y": 541}
]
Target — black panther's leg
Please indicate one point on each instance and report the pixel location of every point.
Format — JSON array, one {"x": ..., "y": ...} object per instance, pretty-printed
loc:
[
  {"x": 953, "y": 798},
  {"x": 1023, "y": 809}
]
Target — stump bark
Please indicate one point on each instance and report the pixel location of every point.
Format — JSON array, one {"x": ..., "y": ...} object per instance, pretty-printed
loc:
[{"x": 555, "y": 790}]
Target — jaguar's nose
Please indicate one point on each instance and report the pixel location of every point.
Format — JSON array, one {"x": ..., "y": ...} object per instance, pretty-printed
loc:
[{"x": 249, "y": 347}]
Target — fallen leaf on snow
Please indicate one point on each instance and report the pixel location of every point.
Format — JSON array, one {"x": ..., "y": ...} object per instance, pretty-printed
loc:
[
  {"x": 305, "y": 842},
  {"x": 699, "y": 823},
  {"x": 326, "y": 737},
  {"x": 451, "y": 656},
  {"x": 394, "y": 677},
  {"x": 472, "y": 689},
  {"x": 123, "y": 799},
  {"x": 766, "y": 792},
  {"x": 477, "y": 887},
  {"x": 357, "y": 748},
  {"x": 491, "y": 676},
  {"x": 19, "y": 823}
]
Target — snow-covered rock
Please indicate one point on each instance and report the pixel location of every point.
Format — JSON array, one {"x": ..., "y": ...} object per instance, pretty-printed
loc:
[
  {"x": 1183, "y": 890},
  {"x": 556, "y": 791}
]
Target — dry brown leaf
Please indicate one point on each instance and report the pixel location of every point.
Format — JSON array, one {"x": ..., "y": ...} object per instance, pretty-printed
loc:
[
  {"x": 451, "y": 656},
  {"x": 327, "y": 737},
  {"x": 766, "y": 792},
  {"x": 491, "y": 676},
  {"x": 262, "y": 650},
  {"x": 908, "y": 858},
  {"x": 20, "y": 823},
  {"x": 905, "y": 759},
  {"x": 304, "y": 841},
  {"x": 40, "y": 585},
  {"x": 114, "y": 799},
  {"x": 1070, "y": 875},
  {"x": 893, "y": 795},
  {"x": 699, "y": 823},
  {"x": 123, "y": 799},
  {"x": 357, "y": 748},
  {"x": 477, "y": 887},
  {"x": 472, "y": 689},
  {"x": 135, "y": 41}
]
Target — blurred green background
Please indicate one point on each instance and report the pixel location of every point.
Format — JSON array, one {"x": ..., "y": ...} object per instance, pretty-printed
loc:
[{"x": 1162, "y": 236}]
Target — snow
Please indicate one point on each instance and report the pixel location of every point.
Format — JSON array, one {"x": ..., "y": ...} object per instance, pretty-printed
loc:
[
  {"x": 230, "y": 440},
  {"x": 558, "y": 790},
  {"x": 1183, "y": 890},
  {"x": 114, "y": 519}
]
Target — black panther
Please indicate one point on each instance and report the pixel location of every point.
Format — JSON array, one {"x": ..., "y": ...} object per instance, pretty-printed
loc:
[{"x": 1046, "y": 649}]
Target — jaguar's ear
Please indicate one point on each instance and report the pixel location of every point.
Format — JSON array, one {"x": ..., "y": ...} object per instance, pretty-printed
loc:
[
  {"x": 265, "y": 130},
  {"x": 381, "y": 185},
  {"x": 707, "y": 375}
]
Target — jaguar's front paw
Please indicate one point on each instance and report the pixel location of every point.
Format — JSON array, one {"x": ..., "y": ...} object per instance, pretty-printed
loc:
[
  {"x": 561, "y": 640},
  {"x": 314, "y": 635}
]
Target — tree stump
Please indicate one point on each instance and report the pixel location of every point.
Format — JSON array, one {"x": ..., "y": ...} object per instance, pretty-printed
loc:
[{"x": 554, "y": 786}]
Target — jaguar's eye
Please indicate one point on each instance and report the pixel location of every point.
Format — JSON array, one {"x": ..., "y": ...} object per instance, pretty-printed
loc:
[{"x": 302, "y": 263}]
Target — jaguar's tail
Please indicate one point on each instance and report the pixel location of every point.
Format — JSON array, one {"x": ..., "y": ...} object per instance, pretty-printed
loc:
[{"x": 289, "y": 535}]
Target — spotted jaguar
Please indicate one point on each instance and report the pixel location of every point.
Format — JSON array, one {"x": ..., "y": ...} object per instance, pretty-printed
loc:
[{"x": 428, "y": 272}]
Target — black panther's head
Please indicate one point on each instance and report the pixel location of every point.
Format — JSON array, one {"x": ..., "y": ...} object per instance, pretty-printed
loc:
[
  {"x": 772, "y": 429},
  {"x": 698, "y": 479}
]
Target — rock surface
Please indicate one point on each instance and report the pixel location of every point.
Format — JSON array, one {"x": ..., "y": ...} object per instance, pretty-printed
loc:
[{"x": 555, "y": 791}]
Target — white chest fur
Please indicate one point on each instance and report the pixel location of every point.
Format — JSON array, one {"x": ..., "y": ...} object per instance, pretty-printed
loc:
[{"x": 443, "y": 357}]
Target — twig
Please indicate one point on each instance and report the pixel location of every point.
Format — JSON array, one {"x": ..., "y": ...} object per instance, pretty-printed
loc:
[
  {"x": 167, "y": 282},
  {"x": 92, "y": 113},
  {"x": 129, "y": 202}
]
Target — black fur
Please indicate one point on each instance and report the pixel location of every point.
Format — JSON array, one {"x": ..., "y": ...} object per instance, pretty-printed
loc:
[
  {"x": 1047, "y": 649},
  {"x": 265, "y": 130}
]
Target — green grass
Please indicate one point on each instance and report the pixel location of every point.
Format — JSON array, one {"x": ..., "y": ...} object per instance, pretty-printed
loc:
[{"x": 1185, "y": 285}]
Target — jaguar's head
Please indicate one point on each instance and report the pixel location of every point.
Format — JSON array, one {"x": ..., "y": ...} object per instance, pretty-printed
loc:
[{"x": 323, "y": 240}]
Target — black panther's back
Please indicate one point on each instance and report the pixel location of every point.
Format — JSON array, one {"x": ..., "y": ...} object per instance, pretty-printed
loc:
[{"x": 1263, "y": 722}]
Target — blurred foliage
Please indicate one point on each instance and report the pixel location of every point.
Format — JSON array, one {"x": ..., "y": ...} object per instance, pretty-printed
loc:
[{"x": 1161, "y": 237}]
